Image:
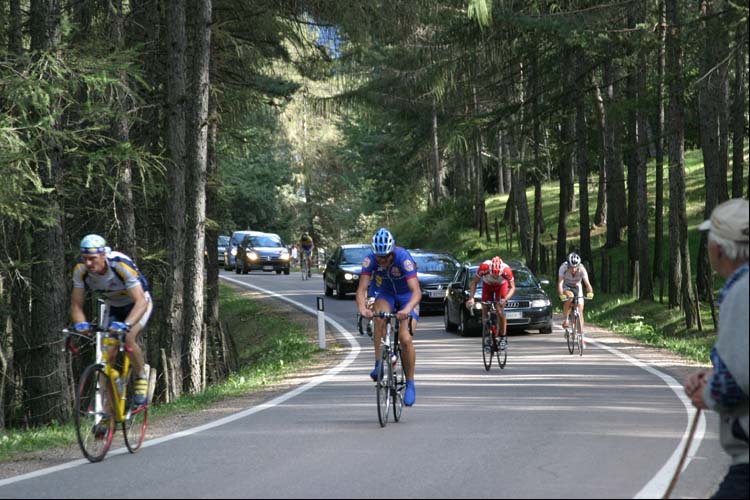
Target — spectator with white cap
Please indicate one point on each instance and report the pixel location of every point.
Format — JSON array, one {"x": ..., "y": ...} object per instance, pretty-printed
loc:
[{"x": 724, "y": 388}]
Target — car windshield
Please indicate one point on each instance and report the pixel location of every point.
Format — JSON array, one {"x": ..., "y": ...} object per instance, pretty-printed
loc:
[
  {"x": 223, "y": 241},
  {"x": 354, "y": 255},
  {"x": 524, "y": 278},
  {"x": 437, "y": 264},
  {"x": 265, "y": 241}
]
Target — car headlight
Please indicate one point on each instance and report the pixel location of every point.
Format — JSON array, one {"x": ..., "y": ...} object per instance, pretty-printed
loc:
[
  {"x": 540, "y": 303},
  {"x": 477, "y": 306},
  {"x": 350, "y": 276},
  {"x": 252, "y": 256},
  {"x": 284, "y": 255},
  {"x": 233, "y": 252}
]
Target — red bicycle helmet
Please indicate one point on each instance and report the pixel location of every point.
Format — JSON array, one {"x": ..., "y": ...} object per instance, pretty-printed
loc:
[{"x": 496, "y": 265}]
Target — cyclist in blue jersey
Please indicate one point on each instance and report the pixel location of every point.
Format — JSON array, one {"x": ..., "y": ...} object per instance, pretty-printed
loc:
[
  {"x": 114, "y": 276},
  {"x": 395, "y": 274}
]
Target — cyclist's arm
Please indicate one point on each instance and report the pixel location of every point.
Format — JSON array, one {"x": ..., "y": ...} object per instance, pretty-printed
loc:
[
  {"x": 76, "y": 305},
  {"x": 473, "y": 288},
  {"x": 138, "y": 297},
  {"x": 589, "y": 288},
  {"x": 560, "y": 286},
  {"x": 364, "y": 284},
  {"x": 416, "y": 296},
  {"x": 511, "y": 289}
]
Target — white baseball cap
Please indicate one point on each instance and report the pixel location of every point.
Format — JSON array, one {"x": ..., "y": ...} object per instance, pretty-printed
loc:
[{"x": 730, "y": 220}]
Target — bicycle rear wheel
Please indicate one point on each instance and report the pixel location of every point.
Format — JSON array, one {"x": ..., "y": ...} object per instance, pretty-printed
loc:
[
  {"x": 487, "y": 346},
  {"x": 383, "y": 387},
  {"x": 502, "y": 356},
  {"x": 94, "y": 419},
  {"x": 399, "y": 385},
  {"x": 579, "y": 335},
  {"x": 136, "y": 418}
]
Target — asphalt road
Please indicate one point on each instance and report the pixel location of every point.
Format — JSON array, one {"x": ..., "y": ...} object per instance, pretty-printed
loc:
[{"x": 550, "y": 425}]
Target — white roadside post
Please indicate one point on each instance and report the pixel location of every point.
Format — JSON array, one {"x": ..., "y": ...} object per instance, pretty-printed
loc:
[{"x": 321, "y": 323}]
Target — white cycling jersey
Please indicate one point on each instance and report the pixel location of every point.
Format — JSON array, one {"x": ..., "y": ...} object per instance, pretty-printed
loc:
[{"x": 572, "y": 277}]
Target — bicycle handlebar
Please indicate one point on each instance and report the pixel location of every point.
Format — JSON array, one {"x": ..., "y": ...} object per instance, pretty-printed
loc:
[
  {"x": 91, "y": 337},
  {"x": 386, "y": 315}
]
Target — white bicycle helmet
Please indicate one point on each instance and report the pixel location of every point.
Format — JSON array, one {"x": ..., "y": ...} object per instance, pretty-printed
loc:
[{"x": 574, "y": 259}]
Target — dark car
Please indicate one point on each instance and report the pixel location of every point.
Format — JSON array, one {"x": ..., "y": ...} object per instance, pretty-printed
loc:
[
  {"x": 435, "y": 271},
  {"x": 230, "y": 252},
  {"x": 528, "y": 309},
  {"x": 262, "y": 252},
  {"x": 342, "y": 269}
]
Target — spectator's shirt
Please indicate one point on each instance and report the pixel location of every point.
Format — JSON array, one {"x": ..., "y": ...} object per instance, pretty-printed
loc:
[
  {"x": 121, "y": 275},
  {"x": 570, "y": 277},
  {"x": 393, "y": 278},
  {"x": 505, "y": 276}
]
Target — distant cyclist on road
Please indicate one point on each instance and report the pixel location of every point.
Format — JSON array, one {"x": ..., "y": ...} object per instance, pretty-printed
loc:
[
  {"x": 395, "y": 273},
  {"x": 305, "y": 249},
  {"x": 498, "y": 285},
  {"x": 571, "y": 276},
  {"x": 114, "y": 276}
]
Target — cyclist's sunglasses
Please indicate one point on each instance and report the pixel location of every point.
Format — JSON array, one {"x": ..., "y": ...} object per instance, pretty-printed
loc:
[{"x": 92, "y": 250}]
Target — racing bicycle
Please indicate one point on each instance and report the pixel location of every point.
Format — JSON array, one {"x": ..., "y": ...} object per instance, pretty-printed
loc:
[
  {"x": 574, "y": 331},
  {"x": 391, "y": 375},
  {"x": 490, "y": 340},
  {"x": 105, "y": 395}
]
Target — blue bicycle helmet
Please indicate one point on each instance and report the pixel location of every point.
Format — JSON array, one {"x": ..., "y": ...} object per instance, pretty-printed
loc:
[
  {"x": 383, "y": 242},
  {"x": 93, "y": 244}
]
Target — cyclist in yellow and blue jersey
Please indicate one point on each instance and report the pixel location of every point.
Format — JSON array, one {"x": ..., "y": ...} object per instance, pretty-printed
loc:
[
  {"x": 114, "y": 276},
  {"x": 305, "y": 250},
  {"x": 395, "y": 273}
]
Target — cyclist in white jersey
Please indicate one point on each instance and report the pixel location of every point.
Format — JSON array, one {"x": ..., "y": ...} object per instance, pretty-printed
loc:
[
  {"x": 570, "y": 277},
  {"x": 114, "y": 276}
]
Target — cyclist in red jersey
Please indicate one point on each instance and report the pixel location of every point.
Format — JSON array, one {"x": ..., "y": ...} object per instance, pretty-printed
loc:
[{"x": 498, "y": 285}]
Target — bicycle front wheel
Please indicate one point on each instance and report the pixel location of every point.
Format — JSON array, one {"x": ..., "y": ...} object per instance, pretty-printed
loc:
[
  {"x": 579, "y": 335},
  {"x": 383, "y": 387},
  {"x": 399, "y": 386},
  {"x": 136, "y": 418},
  {"x": 94, "y": 419},
  {"x": 570, "y": 338},
  {"x": 502, "y": 356},
  {"x": 487, "y": 346}
]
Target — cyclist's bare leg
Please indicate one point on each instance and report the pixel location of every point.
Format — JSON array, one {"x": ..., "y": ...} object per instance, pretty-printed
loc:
[
  {"x": 566, "y": 309},
  {"x": 580, "y": 313},
  {"x": 408, "y": 354},
  {"x": 136, "y": 354},
  {"x": 380, "y": 306},
  {"x": 503, "y": 322}
]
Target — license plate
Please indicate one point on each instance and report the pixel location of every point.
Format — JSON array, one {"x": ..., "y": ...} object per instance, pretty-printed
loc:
[
  {"x": 514, "y": 315},
  {"x": 437, "y": 294},
  {"x": 268, "y": 268}
]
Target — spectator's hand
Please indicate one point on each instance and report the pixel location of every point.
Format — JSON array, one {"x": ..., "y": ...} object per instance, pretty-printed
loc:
[
  {"x": 590, "y": 295},
  {"x": 82, "y": 327},
  {"x": 694, "y": 385}
]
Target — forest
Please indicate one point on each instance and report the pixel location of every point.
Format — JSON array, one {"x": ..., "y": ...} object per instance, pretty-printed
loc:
[{"x": 161, "y": 124}]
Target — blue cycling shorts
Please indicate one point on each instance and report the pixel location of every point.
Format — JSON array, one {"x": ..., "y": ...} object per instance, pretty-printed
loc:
[{"x": 396, "y": 300}]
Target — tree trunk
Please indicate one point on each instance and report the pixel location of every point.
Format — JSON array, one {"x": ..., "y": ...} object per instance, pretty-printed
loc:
[
  {"x": 15, "y": 25},
  {"x": 123, "y": 170},
  {"x": 680, "y": 289},
  {"x": 739, "y": 107},
  {"x": 582, "y": 157},
  {"x": 645, "y": 289},
  {"x": 616, "y": 207},
  {"x": 175, "y": 220},
  {"x": 659, "y": 194},
  {"x": 437, "y": 170},
  {"x": 196, "y": 197},
  {"x": 600, "y": 216}
]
